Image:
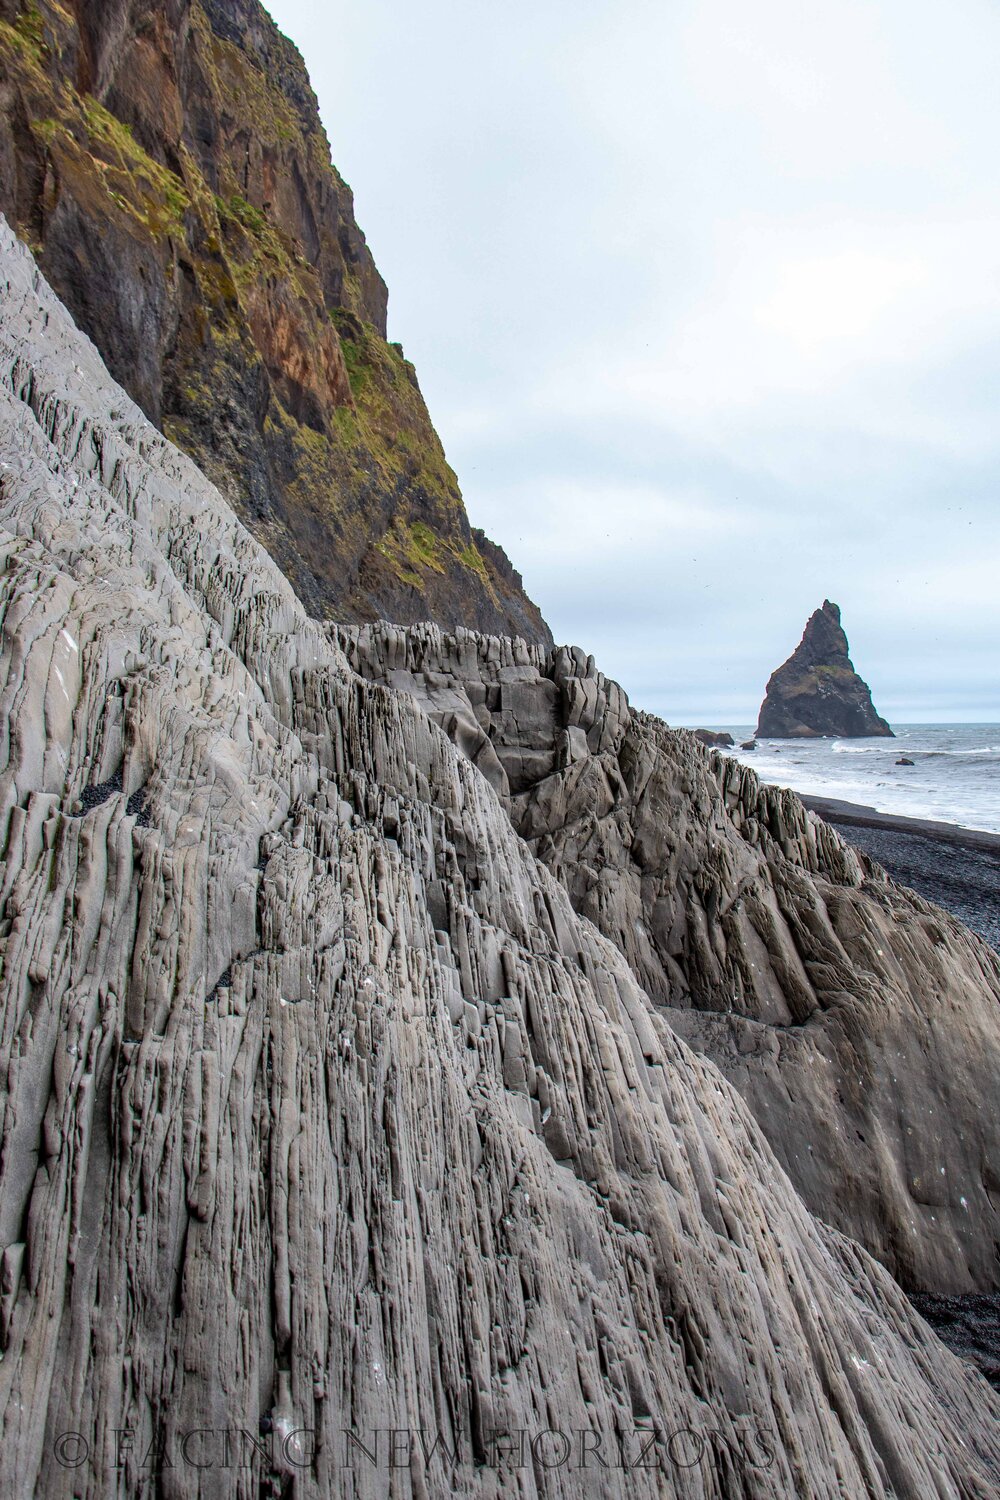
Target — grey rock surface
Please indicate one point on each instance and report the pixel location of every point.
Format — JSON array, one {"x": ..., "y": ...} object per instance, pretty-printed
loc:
[
  {"x": 861, "y": 1023},
  {"x": 715, "y": 739},
  {"x": 321, "y": 1102},
  {"x": 963, "y": 878}
]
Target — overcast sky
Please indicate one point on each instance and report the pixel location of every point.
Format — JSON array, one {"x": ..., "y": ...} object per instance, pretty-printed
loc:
[{"x": 704, "y": 298}]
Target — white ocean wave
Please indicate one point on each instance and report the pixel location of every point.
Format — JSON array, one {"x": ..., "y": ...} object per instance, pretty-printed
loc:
[{"x": 954, "y": 778}]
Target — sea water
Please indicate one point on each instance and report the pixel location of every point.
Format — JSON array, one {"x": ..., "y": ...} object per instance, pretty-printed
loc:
[{"x": 955, "y": 776}]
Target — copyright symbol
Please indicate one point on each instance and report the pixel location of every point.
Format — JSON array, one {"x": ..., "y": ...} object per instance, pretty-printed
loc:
[{"x": 71, "y": 1449}]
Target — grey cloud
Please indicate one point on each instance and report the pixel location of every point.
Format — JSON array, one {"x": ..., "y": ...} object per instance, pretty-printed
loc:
[{"x": 715, "y": 292}]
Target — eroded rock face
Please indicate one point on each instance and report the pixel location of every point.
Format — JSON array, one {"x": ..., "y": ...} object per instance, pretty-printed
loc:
[
  {"x": 168, "y": 164},
  {"x": 817, "y": 691},
  {"x": 322, "y": 1103},
  {"x": 715, "y": 739},
  {"x": 861, "y": 1023}
]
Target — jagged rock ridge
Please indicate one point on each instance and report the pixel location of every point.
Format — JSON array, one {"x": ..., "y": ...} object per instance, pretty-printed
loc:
[
  {"x": 816, "y": 691},
  {"x": 860, "y": 1023},
  {"x": 167, "y": 163},
  {"x": 321, "y": 1101}
]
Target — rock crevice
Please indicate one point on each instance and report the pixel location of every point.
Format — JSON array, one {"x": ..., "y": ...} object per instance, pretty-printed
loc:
[
  {"x": 861, "y": 1023},
  {"x": 325, "y": 1110}
]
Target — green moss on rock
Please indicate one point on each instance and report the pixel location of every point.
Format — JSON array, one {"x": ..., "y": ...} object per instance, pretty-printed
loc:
[{"x": 195, "y": 225}]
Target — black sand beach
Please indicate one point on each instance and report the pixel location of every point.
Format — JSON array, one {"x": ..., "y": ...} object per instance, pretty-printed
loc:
[
  {"x": 970, "y": 1326},
  {"x": 957, "y": 868}
]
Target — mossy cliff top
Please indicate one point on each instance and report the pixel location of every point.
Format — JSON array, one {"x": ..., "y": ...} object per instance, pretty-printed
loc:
[{"x": 167, "y": 164}]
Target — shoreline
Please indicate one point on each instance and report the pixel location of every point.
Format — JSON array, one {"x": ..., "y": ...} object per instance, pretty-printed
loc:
[
  {"x": 857, "y": 815},
  {"x": 955, "y": 868}
]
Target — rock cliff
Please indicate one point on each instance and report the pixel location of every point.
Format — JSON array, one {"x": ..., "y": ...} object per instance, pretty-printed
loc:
[
  {"x": 167, "y": 163},
  {"x": 860, "y": 1023},
  {"x": 817, "y": 691},
  {"x": 327, "y": 1113}
]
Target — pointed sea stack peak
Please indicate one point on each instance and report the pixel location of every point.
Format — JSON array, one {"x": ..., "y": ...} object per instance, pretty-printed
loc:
[{"x": 817, "y": 691}]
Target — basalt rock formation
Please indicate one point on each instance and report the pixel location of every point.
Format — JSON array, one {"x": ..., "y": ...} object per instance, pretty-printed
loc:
[
  {"x": 167, "y": 163},
  {"x": 860, "y": 1023},
  {"x": 326, "y": 1111},
  {"x": 817, "y": 691}
]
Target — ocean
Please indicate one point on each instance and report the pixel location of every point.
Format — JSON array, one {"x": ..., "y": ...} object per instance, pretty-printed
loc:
[{"x": 955, "y": 777}]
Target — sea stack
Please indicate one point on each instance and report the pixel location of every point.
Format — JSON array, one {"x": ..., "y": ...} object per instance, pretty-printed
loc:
[
  {"x": 420, "y": 1071},
  {"x": 817, "y": 691},
  {"x": 335, "y": 1103}
]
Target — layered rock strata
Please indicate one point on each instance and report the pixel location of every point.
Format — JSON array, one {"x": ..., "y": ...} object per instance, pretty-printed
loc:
[
  {"x": 817, "y": 692},
  {"x": 324, "y": 1111},
  {"x": 168, "y": 164}
]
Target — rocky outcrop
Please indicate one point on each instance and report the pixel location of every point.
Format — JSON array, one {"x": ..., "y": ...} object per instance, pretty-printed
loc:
[
  {"x": 860, "y": 1023},
  {"x": 717, "y": 739},
  {"x": 325, "y": 1115},
  {"x": 817, "y": 691},
  {"x": 167, "y": 163}
]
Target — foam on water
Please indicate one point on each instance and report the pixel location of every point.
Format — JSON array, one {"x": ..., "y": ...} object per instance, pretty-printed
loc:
[{"x": 955, "y": 777}]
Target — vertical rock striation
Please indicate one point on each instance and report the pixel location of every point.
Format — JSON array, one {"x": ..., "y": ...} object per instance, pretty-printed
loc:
[
  {"x": 167, "y": 163},
  {"x": 861, "y": 1023},
  {"x": 322, "y": 1105}
]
